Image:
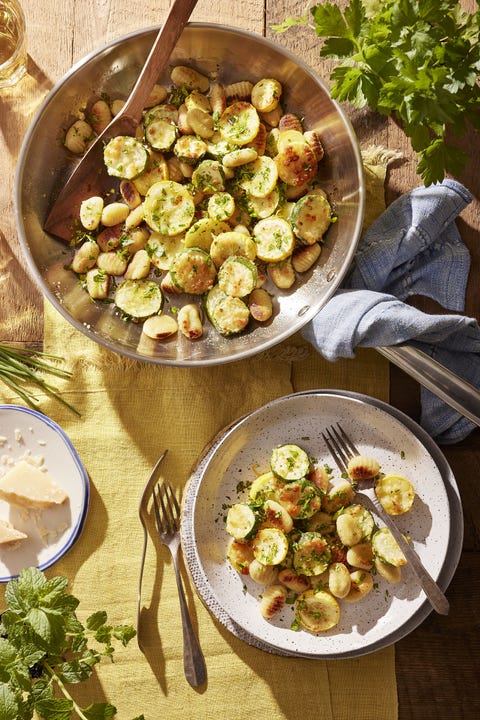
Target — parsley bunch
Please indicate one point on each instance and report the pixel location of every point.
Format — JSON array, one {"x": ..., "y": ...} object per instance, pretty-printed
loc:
[
  {"x": 44, "y": 647},
  {"x": 416, "y": 60}
]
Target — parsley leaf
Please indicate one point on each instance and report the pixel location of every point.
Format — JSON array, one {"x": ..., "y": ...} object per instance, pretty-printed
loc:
[
  {"x": 415, "y": 60},
  {"x": 44, "y": 647}
]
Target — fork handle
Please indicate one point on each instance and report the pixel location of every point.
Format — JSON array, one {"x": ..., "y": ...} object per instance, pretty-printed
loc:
[
  {"x": 193, "y": 660},
  {"x": 436, "y": 597}
]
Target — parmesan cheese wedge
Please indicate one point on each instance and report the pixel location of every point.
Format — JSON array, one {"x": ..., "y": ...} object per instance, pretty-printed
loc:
[
  {"x": 28, "y": 487},
  {"x": 9, "y": 535}
]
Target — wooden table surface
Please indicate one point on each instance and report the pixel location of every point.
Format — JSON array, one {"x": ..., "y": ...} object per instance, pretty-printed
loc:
[{"x": 438, "y": 665}]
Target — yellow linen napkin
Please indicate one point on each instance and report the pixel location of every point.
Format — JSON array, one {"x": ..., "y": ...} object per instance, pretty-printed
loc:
[{"x": 130, "y": 412}]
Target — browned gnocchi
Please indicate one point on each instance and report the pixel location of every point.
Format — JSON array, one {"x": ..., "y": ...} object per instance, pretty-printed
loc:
[
  {"x": 215, "y": 171},
  {"x": 303, "y": 540}
]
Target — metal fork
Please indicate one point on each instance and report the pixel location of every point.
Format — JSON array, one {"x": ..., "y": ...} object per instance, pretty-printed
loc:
[
  {"x": 342, "y": 450},
  {"x": 167, "y": 516}
]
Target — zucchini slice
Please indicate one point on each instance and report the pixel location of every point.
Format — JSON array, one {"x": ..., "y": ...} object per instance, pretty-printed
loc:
[
  {"x": 228, "y": 243},
  {"x": 239, "y": 123},
  {"x": 202, "y": 232},
  {"x": 386, "y": 548},
  {"x": 208, "y": 177},
  {"x": 274, "y": 238},
  {"x": 193, "y": 271},
  {"x": 241, "y": 521},
  {"x": 125, "y": 157},
  {"x": 270, "y": 546},
  {"x": 139, "y": 298},
  {"x": 230, "y": 315},
  {"x": 259, "y": 178},
  {"x": 169, "y": 208},
  {"x": 161, "y": 134},
  {"x": 289, "y": 462},
  {"x": 396, "y": 493},
  {"x": 364, "y": 519},
  {"x": 317, "y": 610},
  {"x": 312, "y": 555},
  {"x": 311, "y": 217},
  {"x": 237, "y": 276}
]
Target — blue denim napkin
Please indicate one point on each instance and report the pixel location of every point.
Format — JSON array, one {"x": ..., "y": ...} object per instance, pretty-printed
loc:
[{"x": 413, "y": 248}]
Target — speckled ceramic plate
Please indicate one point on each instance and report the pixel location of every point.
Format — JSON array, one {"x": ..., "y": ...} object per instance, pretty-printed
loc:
[
  {"x": 51, "y": 533},
  {"x": 241, "y": 451}
]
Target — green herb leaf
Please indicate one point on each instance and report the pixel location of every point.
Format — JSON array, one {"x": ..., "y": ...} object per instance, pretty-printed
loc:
[
  {"x": 415, "y": 60},
  {"x": 44, "y": 647}
]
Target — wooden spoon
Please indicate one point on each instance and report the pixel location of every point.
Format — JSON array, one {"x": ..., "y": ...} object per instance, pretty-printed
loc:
[{"x": 90, "y": 177}]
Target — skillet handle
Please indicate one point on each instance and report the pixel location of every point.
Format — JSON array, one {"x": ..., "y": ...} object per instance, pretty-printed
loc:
[{"x": 447, "y": 385}]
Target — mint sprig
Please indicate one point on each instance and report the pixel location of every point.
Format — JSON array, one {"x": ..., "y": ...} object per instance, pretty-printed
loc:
[
  {"x": 415, "y": 60},
  {"x": 44, "y": 648}
]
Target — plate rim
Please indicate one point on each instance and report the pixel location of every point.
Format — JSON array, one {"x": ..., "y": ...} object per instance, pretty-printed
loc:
[
  {"x": 447, "y": 570},
  {"x": 78, "y": 528}
]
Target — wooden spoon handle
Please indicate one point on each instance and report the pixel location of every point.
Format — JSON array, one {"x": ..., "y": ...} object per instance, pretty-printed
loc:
[{"x": 158, "y": 57}]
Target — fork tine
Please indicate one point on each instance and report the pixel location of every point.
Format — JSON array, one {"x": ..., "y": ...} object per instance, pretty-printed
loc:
[
  {"x": 340, "y": 446},
  {"x": 173, "y": 504},
  {"x": 335, "y": 450},
  {"x": 158, "y": 517}
]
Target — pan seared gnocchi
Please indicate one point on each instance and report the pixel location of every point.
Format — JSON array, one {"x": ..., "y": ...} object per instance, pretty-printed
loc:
[
  {"x": 302, "y": 537},
  {"x": 217, "y": 204}
]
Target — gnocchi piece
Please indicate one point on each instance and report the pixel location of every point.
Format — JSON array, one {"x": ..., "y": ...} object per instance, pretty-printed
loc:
[
  {"x": 116, "y": 106},
  {"x": 293, "y": 581},
  {"x": 160, "y": 327},
  {"x": 349, "y": 529},
  {"x": 201, "y": 123},
  {"x": 85, "y": 257},
  {"x": 101, "y": 116},
  {"x": 240, "y": 555},
  {"x": 339, "y": 580},
  {"x": 240, "y": 90},
  {"x": 273, "y": 601},
  {"x": 113, "y": 263},
  {"x": 260, "y": 305},
  {"x": 218, "y": 98},
  {"x": 304, "y": 258},
  {"x": 263, "y": 574},
  {"x": 282, "y": 274},
  {"x": 98, "y": 283},
  {"x": 134, "y": 239},
  {"x": 130, "y": 194},
  {"x": 289, "y": 121},
  {"x": 259, "y": 142},
  {"x": 361, "y": 585},
  {"x": 139, "y": 266},
  {"x": 78, "y": 137},
  {"x": 360, "y": 556},
  {"x": 237, "y": 158},
  {"x": 276, "y": 516},
  {"x": 158, "y": 95},
  {"x": 109, "y": 238},
  {"x": 91, "y": 212},
  {"x": 182, "y": 122},
  {"x": 390, "y": 573},
  {"x": 321, "y": 522},
  {"x": 168, "y": 286},
  {"x": 273, "y": 117},
  {"x": 363, "y": 467},
  {"x": 114, "y": 214},
  {"x": 190, "y": 322},
  {"x": 338, "y": 496},
  {"x": 184, "y": 76},
  {"x": 314, "y": 140}
]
